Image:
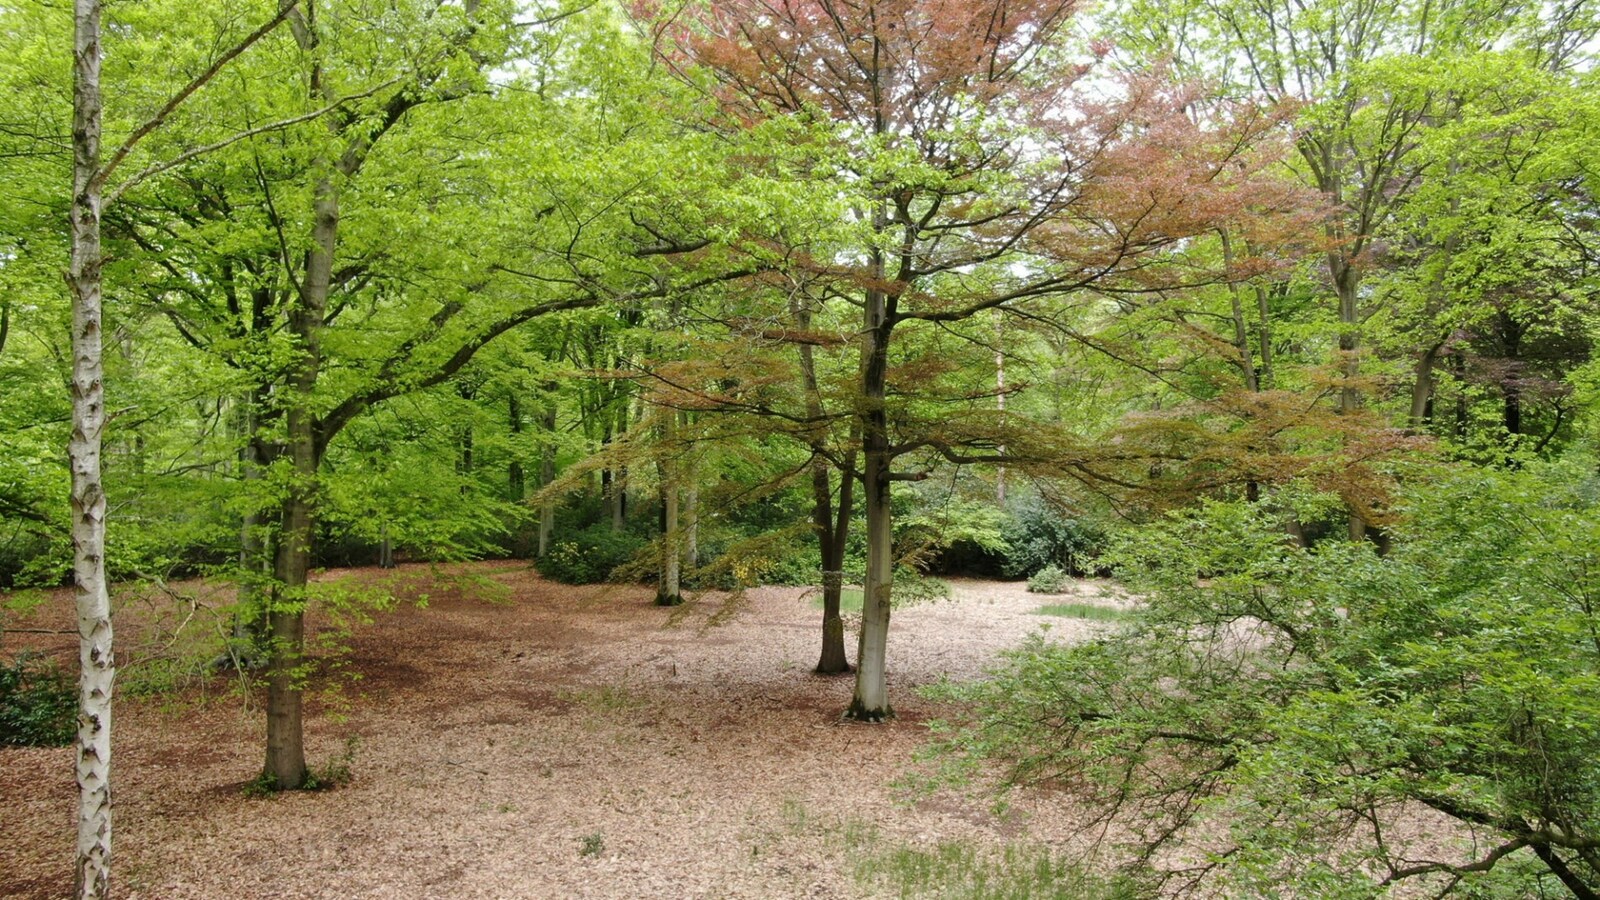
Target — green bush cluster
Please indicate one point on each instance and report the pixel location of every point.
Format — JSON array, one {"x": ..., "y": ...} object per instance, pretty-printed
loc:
[
  {"x": 589, "y": 556},
  {"x": 38, "y": 704},
  {"x": 1038, "y": 536},
  {"x": 1048, "y": 580}
]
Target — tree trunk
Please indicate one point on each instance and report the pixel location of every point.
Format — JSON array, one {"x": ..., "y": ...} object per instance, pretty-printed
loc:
[
  {"x": 668, "y": 590},
  {"x": 516, "y": 482},
  {"x": 97, "y": 666},
  {"x": 832, "y": 530},
  {"x": 871, "y": 700},
  {"x": 1422, "y": 388},
  {"x": 286, "y": 758},
  {"x": 249, "y": 619},
  {"x": 1346, "y": 280},
  {"x": 547, "y": 474},
  {"x": 1000, "y": 400}
]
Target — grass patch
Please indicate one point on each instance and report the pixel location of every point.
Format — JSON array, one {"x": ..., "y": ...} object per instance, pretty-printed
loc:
[
  {"x": 1084, "y": 611},
  {"x": 959, "y": 870},
  {"x": 849, "y": 600}
]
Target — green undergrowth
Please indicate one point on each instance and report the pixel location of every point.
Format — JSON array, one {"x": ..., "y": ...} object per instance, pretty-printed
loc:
[
  {"x": 1092, "y": 611},
  {"x": 951, "y": 869}
]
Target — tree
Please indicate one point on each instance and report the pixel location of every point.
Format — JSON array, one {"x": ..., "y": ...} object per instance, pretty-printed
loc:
[{"x": 980, "y": 178}]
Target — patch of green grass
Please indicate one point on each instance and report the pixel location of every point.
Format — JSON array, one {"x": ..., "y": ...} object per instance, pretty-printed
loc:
[
  {"x": 849, "y": 600},
  {"x": 960, "y": 870},
  {"x": 1083, "y": 611}
]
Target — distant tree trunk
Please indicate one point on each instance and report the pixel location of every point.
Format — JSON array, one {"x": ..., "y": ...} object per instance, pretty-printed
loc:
[
  {"x": 668, "y": 590},
  {"x": 832, "y": 526},
  {"x": 1346, "y": 280},
  {"x": 385, "y": 547},
  {"x": 619, "y": 478},
  {"x": 1264, "y": 333},
  {"x": 1422, "y": 387},
  {"x": 249, "y": 620},
  {"x": 547, "y": 475},
  {"x": 871, "y": 700},
  {"x": 516, "y": 482},
  {"x": 1000, "y": 400},
  {"x": 97, "y": 665}
]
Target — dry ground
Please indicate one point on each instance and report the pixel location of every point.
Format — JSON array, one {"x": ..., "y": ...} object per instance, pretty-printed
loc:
[{"x": 560, "y": 742}]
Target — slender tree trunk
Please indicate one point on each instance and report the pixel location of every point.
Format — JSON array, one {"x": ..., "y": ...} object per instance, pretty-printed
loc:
[
  {"x": 1264, "y": 335},
  {"x": 516, "y": 482},
  {"x": 249, "y": 620},
  {"x": 1346, "y": 281},
  {"x": 833, "y": 527},
  {"x": 871, "y": 700},
  {"x": 547, "y": 474},
  {"x": 97, "y": 667},
  {"x": 1422, "y": 387},
  {"x": 1000, "y": 400},
  {"x": 669, "y": 591},
  {"x": 832, "y": 531}
]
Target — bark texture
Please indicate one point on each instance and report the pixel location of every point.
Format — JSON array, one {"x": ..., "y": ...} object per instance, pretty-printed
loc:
[{"x": 92, "y": 878}]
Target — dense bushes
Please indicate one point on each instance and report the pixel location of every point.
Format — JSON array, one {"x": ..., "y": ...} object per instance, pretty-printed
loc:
[
  {"x": 38, "y": 704},
  {"x": 1038, "y": 536},
  {"x": 1280, "y": 703},
  {"x": 589, "y": 555}
]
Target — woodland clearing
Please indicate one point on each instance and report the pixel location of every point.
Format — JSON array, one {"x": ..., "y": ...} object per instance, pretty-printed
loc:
[{"x": 519, "y": 738}]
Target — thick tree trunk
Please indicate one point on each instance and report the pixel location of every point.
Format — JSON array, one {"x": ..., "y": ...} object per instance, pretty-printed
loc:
[
  {"x": 97, "y": 668},
  {"x": 871, "y": 700},
  {"x": 286, "y": 758}
]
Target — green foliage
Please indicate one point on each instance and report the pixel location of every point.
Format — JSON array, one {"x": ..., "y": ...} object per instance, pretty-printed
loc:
[
  {"x": 591, "y": 845},
  {"x": 1037, "y": 536},
  {"x": 38, "y": 704},
  {"x": 589, "y": 556},
  {"x": 1296, "y": 700},
  {"x": 1048, "y": 580}
]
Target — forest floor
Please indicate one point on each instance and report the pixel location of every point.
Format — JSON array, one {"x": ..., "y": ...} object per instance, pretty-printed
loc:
[{"x": 520, "y": 738}]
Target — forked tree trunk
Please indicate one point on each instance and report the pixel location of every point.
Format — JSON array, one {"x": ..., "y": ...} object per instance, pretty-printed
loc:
[{"x": 92, "y": 876}]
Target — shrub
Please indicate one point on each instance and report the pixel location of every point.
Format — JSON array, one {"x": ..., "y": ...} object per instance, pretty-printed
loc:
[
  {"x": 1039, "y": 536},
  {"x": 1276, "y": 703},
  {"x": 38, "y": 704},
  {"x": 1048, "y": 580},
  {"x": 589, "y": 556}
]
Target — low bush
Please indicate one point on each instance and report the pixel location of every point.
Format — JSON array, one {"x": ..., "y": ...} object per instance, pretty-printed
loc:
[
  {"x": 1048, "y": 580},
  {"x": 38, "y": 704},
  {"x": 590, "y": 555}
]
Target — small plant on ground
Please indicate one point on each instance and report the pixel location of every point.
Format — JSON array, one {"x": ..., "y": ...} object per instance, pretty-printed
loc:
[
  {"x": 38, "y": 704},
  {"x": 591, "y": 845},
  {"x": 1048, "y": 580}
]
